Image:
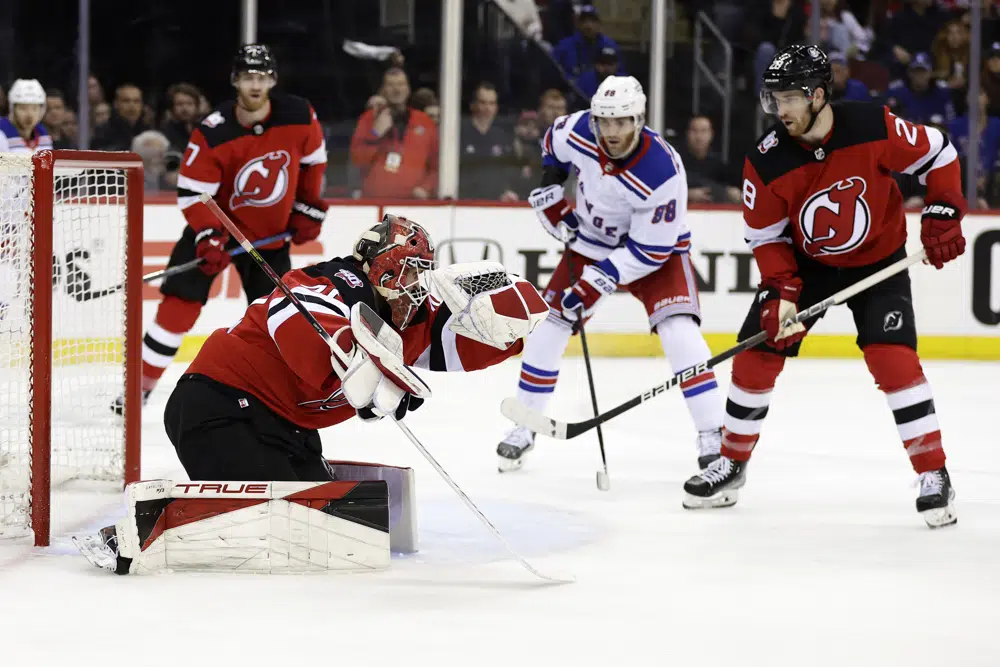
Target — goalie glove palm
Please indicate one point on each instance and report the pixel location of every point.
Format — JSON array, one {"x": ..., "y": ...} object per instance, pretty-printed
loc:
[{"x": 554, "y": 212}]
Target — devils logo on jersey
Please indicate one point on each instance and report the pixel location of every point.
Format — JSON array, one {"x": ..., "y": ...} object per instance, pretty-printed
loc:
[
  {"x": 262, "y": 181},
  {"x": 836, "y": 220}
]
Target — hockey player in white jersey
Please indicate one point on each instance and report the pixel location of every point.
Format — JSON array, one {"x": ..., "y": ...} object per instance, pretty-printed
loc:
[
  {"x": 22, "y": 131},
  {"x": 628, "y": 229}
]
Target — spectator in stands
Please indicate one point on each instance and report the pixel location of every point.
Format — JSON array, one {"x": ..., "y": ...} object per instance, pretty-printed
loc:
[
  {"x": 834, "y": 35},
  {"x": 709, "y": 179},
  {"x": 3, "y": 102},
  {"x": 951, "y": 54},
  {"x": 152, "y": 147},
  {"x": 528, "y": 154},
  {"x": 989, "y": 80},
  {"x": 989, "y": 146},
  {"x": 183, "y": 115},
  {"x": 95, "y": 93},
  {"x": 487, "y": 150},
  {"x": 125, "y": 122},
  {"x": 911, "y": 31},
  {"x": 921, "y": 99},
  {"x": 844, "y": 87},
  {"x": 424, "y": 99},
  {"x": 99, "y": 114},
  {"x": 859, "y": 37},
  {"x": 776, "y": 25},
  {"x": 396, "y": 147},
  {"x": 605, "y": 65},
  {"x": 577, "y": 53},
  {"x": 67, "y": 131},
  {"x": 551, "y": 105},
  {"x": 55, "y": 107}
]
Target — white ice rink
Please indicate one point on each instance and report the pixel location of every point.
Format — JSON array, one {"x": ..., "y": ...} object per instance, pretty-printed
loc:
[{"x": 823, "y": 562}]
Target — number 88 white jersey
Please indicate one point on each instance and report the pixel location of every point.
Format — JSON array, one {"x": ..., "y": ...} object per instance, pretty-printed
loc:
[{"x": 632, "y": 212}]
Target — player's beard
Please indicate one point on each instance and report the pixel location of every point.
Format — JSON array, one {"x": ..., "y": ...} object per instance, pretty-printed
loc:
[
  {"x": 252, "y": 104},
  {"x": 797, "y": 126}
]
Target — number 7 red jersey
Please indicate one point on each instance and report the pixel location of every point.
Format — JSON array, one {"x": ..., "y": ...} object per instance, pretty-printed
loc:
[
  {"x": 254, "y": 173},
  {"x": 837, "y": 202}
]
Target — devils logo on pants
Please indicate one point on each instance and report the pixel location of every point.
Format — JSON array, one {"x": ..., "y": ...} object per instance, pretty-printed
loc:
[
  {"x": 836, "y": 220},
  {"x": 262, "y": 181}
]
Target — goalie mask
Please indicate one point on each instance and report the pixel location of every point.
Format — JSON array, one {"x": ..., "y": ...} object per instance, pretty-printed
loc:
[{"x": 394, "y": 254}]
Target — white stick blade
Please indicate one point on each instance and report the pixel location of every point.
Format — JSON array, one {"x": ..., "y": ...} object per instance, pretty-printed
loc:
[{"x": 522, "y": 415}]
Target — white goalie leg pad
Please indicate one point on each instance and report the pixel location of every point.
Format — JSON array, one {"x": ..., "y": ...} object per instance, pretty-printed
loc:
[
  {"x": 402, "y": 498},
  {"x": 258, "y": 527},
  {"x": 487, "y": 304}
]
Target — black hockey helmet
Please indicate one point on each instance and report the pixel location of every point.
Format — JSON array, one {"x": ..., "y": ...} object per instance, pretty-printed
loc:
[
  {"x": 798, "y": 67},
  {"x": 254, "y": 58}
]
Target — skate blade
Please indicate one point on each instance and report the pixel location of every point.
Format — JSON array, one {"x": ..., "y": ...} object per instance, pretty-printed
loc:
[
  {"x": 940, "y": 517},
  {"x": 93, "y": 548},
  {"x": 726, "y": 498},
  {"x": 509, "y": 465}
]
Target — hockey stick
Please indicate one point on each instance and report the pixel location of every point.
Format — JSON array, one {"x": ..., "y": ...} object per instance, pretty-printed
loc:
[
  {"x": 536, "y": 421},
  {"x": 603, "y": 480},
  {"x": 280, "y": 284}
]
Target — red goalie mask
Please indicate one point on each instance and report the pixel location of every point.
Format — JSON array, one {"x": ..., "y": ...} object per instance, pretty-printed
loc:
[{"x": 393, "y": 254}]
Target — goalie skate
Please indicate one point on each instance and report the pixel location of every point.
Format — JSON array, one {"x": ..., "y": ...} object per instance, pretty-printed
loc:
[
  {"x": 511, "y": 450},
  {"x": 934, "y": 500},
  {"x": 717, "y": 485}
]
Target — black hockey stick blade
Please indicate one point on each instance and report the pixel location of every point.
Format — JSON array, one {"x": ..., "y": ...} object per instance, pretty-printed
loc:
[{"x": 522, "y": 415}]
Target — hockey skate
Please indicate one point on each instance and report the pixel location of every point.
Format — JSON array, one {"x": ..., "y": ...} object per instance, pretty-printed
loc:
[
  {"x": 118, "y": 405},
  {"x": 709, "y": 446},
  {"x": 717, "y": 485},
  {"x": 934, "y": 501},
  {"x": 511, "y": 450}
]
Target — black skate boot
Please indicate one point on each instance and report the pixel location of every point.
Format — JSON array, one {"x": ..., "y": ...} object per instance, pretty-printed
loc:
[
  {"x": 118, "y": 405},
  {"x": 709, "y": 445},
  {"x": 717, "y": 485},
  {"x": 511, "y": 450},
  {"x": 934, "y": 500}
]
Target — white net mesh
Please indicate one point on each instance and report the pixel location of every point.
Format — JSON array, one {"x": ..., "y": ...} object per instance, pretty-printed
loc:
[{"x": 89, "y": 243}]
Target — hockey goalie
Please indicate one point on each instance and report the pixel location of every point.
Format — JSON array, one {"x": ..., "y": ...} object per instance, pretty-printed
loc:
[{"x": 245, "y": 417}]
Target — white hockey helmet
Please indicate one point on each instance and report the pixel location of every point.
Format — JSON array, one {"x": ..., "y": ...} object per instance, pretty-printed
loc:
[
  {"x": 27, "y": 91},
  {"x": 619, "y": 97}
]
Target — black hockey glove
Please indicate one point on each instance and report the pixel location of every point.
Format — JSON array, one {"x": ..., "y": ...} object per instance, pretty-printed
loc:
[{"x": 408, "y": 404}]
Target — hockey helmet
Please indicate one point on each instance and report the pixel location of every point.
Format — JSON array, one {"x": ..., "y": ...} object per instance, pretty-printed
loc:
[
  {"x": 802, "y": 67},
  {"x": 618, "y": 97},
  {"x": 27, "y": 91},
  {"x": 393, "y": 254},
  {"x": 256, "y": 58}
]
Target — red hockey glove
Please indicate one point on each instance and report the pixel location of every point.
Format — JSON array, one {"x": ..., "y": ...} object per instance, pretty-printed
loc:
[
  {"x": 210, "y": 245},
  {"x": 941, "y": 233},
  {"x": 777, "y": 305},
  {"x": 306, "y": 220},
  {"x": 583, "y": 296}
]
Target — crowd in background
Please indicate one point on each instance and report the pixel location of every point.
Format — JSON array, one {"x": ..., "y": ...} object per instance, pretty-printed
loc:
[{"x": 912, "y": 55}]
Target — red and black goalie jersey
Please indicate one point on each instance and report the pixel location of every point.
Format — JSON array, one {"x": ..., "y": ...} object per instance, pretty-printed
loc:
[
  {"x": 254, "y": 173},
  {"x": 838, "y": 202},
  {"x": 276, "y": 355}
]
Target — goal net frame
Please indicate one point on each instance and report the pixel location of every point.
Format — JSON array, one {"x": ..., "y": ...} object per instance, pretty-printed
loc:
[{"x": 44, "y": 166}]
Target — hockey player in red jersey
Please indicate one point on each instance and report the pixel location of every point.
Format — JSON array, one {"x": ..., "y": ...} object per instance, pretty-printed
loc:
[
  {"x": 822, "y": 211},
  {"x": 250, "y": 404},
  {"x": 262, "y": 158}
]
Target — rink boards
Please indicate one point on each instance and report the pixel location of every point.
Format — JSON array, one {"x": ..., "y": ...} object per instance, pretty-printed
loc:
[{"x": 957, "y": 308}]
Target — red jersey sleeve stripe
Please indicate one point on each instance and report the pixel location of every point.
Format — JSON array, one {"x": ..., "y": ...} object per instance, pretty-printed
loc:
[
  {"x": 771, "y": 234},
  {"x": 318, "y": 304},
  {"x": 201, "y": 187},
  {"x": 318, "y": 156}
]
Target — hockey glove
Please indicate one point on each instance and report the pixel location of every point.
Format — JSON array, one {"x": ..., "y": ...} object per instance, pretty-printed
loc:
[
  {"x": 554, "y": 212},
  {"x": 408, "y": 404},
  {"x": 583, "y": 296},
  {"x": 306, "y": 220},
  {"x": 777, "y": 306},
  {"x": 210, "y": 246},
  {"x": 941, "y": 233}
]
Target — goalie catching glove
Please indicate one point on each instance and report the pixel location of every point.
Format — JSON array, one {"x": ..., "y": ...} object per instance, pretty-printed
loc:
[
  {"x": 487, "y": 304},
  {"x": 554, "y": 212}
]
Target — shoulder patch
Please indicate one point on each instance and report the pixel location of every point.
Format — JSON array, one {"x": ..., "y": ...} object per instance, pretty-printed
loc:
[
  {"x": 769, "y": 142},
  {"x": 220, "y": 126},
  {"x": 775, "y": 154}
]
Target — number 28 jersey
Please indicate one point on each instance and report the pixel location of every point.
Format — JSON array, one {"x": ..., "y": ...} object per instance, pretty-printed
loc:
[
  {"x": 837, "y": 202},
  {"x": 632, "y": 212}
]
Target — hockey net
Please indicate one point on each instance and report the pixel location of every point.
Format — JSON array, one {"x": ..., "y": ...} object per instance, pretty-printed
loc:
[{"x": 70, "y": 311}]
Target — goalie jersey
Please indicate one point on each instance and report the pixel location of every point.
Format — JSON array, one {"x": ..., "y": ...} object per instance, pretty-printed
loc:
[
  {"x": 276, "y": 355},
  {"x": 632, "y": 212}
]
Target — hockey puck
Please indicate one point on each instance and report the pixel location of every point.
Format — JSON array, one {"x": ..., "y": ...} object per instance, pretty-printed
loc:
[{"x": 603, "y": 483}]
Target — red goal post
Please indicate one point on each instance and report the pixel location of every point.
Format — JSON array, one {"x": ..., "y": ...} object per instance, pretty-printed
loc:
[{"x": 70, "y": 328}]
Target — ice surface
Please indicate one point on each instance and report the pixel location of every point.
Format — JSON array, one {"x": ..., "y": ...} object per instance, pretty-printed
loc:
[{"x": 823, "y": 562}]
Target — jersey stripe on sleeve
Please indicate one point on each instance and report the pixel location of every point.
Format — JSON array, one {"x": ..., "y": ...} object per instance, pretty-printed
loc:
[
  {"x": 314, "y": 302},
  {"x": 775, "y": 233}
]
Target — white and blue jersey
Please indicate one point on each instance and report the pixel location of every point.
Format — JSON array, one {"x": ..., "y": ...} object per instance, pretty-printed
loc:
[
  {"x": 12, "y": 142},
  {"x": 632, "y": 212}
]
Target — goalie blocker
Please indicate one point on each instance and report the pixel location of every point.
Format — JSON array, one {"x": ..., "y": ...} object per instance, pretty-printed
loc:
[{"x": 262, "y": 527}]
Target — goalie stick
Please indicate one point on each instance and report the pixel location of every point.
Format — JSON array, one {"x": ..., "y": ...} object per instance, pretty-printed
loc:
[
  {"x": 280, "y": 284},
  {"x": 522, "y": 415}
]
